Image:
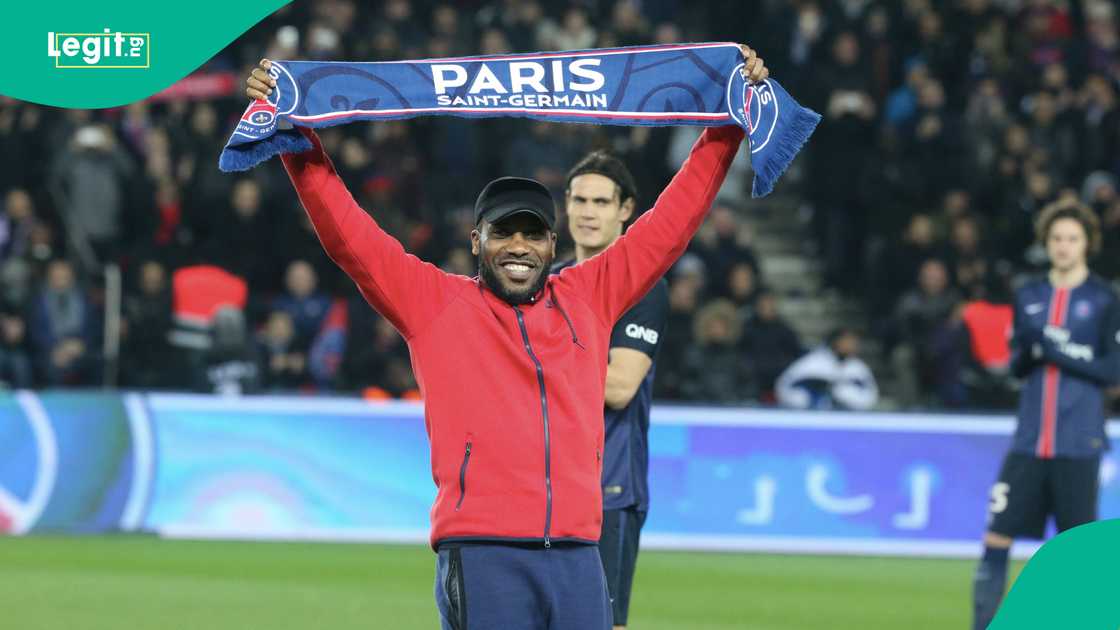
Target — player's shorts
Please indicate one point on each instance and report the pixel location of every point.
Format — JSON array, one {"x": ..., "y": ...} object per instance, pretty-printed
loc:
[
  {"x": 618, "y": 547},
  {"x": 1030, "y": 489}
]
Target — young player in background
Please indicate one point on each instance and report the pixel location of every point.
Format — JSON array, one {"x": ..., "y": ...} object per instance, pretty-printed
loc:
[
  {"x": 1066, "y": 345},
  {"x": 600, "y": 198}
]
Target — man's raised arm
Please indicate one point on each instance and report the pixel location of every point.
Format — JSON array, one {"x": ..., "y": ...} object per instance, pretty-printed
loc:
[
  {"x": 620, "y": 275},
  {"x": 405, "y": 290}
]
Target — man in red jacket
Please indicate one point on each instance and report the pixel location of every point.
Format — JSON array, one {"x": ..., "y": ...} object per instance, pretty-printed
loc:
[{"x": 512, "y": 365}]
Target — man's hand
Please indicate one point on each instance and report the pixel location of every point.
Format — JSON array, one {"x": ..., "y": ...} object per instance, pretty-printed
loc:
[
  {"x": 754, "y": 70},
  {"x": 259, "y": 84}
]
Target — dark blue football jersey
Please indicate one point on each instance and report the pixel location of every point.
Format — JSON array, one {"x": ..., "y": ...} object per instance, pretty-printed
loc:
[{"x": 1066, "y": 347}]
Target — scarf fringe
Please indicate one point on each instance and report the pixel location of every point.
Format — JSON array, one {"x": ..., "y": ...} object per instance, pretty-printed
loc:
[
  {"x": 243, "y": 157},
  {"x": 793, "y": 135}
]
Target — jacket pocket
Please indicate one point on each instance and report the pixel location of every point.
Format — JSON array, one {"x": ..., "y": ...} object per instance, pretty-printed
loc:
[{"x": 463, "y": 471}]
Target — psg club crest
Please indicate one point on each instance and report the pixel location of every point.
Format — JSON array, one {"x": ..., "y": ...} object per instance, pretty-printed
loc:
[
  {"x": 761, "y": 106},
  {"x": 259, "y": 114},
  {"x": 261, "y": 117},
  {"x": 258, "y": 121},
  {"x": 757, "y": 110},
  {"x": 1082, "y": 309}
]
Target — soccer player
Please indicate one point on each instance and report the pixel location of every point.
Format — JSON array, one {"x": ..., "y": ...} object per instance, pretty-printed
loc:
[
  {"x": 512, "y": 365},
  {"x": 600, "y": 197},
  {"x": 1066, "y": 344}
]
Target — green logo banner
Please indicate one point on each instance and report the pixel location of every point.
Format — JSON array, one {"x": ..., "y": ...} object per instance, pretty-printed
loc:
[
  {"x": 78, "y": 54},
  {"x": 1069, "y": 584}
]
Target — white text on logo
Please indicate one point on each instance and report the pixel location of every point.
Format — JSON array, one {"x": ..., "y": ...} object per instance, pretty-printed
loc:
[{"x": 647, "y": 335}]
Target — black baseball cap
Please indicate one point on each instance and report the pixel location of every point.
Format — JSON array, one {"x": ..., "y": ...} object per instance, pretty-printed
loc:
[{"x": 506, "y": 196}]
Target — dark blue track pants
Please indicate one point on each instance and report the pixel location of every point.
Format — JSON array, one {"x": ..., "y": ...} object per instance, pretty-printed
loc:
[{"x": 507, "y": 587}]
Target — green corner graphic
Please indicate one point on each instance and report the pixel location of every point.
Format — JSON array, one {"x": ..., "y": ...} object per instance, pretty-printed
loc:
[
  {"x": 119, "y": 52},
  {"x": 1069, "y": 584}
]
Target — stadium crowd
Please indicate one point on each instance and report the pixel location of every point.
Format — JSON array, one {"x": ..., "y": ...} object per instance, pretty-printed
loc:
[{"x": 947, "y": 126}]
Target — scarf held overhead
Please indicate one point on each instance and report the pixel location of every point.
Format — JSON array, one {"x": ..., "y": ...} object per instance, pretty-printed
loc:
[{"x": 683, "y": 84}]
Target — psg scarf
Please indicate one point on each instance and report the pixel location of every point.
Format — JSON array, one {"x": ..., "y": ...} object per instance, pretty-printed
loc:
[{"x": 681, "y": 84}]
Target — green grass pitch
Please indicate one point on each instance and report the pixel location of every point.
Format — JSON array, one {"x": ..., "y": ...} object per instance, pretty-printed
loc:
[{"x": 134, "y": 583}]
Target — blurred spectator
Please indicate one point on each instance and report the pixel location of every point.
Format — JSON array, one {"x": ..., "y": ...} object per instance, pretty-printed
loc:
[
  {"x": 714, "y": 369},
  {"x": 16, "y": 222},
  {"x": 985, "y": 119},
  {"x": 447, "y": 27},
  {"x": 147, "y": 361},
  {"x": 296, "y": 240},
  {"x": 575, "y": 33},
  {"x": 629, "y": 26},
  {"x": 932, "y": 143},
  {"x": 830, "y": 377},
  {"x": 805, "y": 38},
  {"x": 981, "y": 328},
  {"x": 324, "y": 357},
  {"x": 376, "y": 357},
  {"x": 920, "y": 316},
  {"x": 1054, "y": 127},
  {"x": 735, "y": 192},
  {"x": 284, "y": 362},
  {"x": 722, "y": 244},
  {"x": 685, "y": 289},
  {"x": 16, "y": 279},
  {"x": 1103, "y": 42},
  {"x": 841, "y": 157},
  {"x": 15, "y": 362},
  {"x": 18, "y": 229},
  {"x": 968, "y": 257},
  {"x": 399, "y": 18},
  {"x": 1100, "y": 138},
  {"x": 901, "y": 259},
  {"x": 230, "y": 367},
  {"x": 769, "y": 343},
  {"x": 902, "y": 106},
  {"x": 197, "y": 292},
  {"x": 742, "y": 287},
  {"x": 64, "y": 330},
  {"x": 544, "y": 155},
  {"x": 234, "y": 243},
  {"x": 1099, "y": 191},
  {"x": 92, "y": 178},
  {"x": 303, "y": 301},
  {"x": 460, "y": 261},
  {"x": 495, "y": 42}
]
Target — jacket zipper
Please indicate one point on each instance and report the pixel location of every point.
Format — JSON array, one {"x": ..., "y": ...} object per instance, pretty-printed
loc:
[
  {"x": 463, "y": 474},
  {"x": 547, "y": 447}
]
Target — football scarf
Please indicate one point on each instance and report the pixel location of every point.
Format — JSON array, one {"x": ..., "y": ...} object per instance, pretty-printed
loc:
[{"x": 683, "y": 84}]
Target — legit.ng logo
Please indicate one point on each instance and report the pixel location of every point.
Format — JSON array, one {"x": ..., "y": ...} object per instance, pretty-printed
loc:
[{"x": 105, "y": 50}]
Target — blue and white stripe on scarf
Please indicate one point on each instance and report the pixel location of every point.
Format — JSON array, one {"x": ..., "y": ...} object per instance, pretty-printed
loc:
[{"x": 680, "y": 84}]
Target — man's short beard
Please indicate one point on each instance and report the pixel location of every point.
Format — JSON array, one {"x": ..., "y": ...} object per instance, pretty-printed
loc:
[{"x": 514, "y": 298}]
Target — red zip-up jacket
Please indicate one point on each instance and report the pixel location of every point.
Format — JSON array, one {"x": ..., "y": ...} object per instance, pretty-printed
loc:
[{"x": 513, "y": 395}]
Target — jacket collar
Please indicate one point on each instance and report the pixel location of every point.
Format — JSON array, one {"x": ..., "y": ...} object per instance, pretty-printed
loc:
[{"x": 490, "y": 295}]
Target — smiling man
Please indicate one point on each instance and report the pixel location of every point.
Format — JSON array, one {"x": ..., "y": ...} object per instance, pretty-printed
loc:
[
  {"x": 512, "y": 365},
  {"x": 515, "y": 242}
]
